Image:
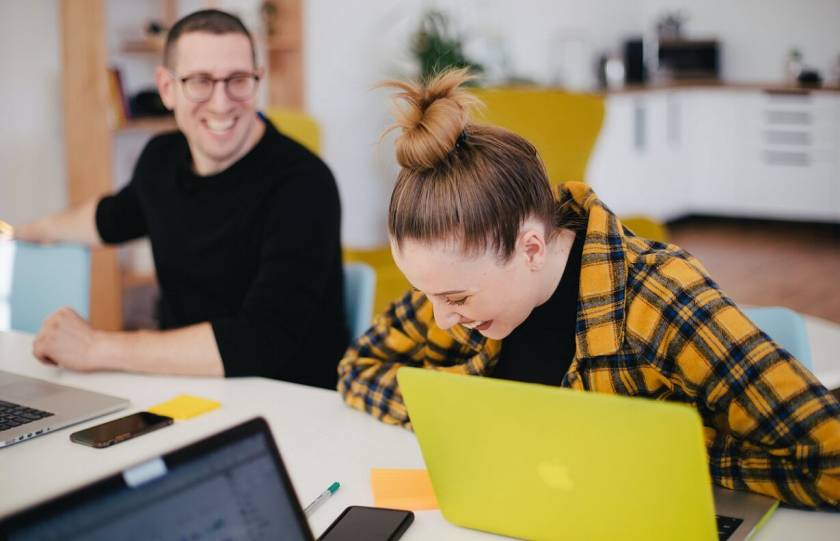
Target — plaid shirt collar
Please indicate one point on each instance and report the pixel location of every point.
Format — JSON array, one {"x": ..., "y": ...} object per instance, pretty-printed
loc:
[{"x": 603, "y": 274}]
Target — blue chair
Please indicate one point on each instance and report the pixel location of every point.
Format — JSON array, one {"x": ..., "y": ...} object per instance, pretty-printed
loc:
[
  {"x": 359, "y": 289},
  {"x": 786, "y": 327},
  {"x": 36, "y": 280}
]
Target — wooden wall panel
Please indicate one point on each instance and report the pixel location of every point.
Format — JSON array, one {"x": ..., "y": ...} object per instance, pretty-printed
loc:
[
  {"x": 87, "y": 139},
  {"x": 284, "y": 56}
]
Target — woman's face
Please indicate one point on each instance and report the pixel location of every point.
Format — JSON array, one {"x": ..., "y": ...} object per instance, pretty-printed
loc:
[{"x": 476, "y": 291}]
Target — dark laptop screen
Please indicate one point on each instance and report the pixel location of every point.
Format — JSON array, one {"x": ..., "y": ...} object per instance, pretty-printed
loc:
[{"x": 236, "y": 490}]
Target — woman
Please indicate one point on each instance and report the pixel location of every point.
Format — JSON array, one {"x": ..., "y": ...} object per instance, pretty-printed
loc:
[{"x": 513, "y": 281}]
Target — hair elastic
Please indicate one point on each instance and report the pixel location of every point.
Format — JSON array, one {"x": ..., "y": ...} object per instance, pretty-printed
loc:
[{"x": 462, "y": 140}]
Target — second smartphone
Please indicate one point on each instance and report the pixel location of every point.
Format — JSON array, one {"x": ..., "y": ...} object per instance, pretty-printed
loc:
[
  {"x": 121, "y": 429},
  {"x": 368, "y": 523}
]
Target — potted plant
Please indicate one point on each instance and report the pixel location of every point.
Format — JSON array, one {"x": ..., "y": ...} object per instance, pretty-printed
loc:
[{"x": 438, "y": 48}]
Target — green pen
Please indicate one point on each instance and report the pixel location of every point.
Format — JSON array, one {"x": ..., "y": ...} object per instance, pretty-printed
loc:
[{"x": 321, "y": 498}]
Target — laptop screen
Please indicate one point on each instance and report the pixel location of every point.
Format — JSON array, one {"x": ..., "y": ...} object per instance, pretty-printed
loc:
[{"x": 230, "y": 486}]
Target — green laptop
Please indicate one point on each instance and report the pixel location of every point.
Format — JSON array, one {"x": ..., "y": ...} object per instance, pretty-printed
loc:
[{"x": 540, "y": 462}]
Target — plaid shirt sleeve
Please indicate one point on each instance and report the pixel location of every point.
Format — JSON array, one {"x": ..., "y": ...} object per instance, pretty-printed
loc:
[
  {"x": 771, "y": 427},
  {"x": 406, "y": 335}
]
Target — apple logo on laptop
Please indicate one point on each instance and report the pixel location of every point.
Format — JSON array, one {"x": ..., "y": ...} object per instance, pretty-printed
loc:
[{"x": 555, "y": 474}]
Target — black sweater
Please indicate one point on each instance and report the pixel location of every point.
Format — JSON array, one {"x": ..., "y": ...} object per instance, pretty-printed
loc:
[{"x": 255, "y": 250}]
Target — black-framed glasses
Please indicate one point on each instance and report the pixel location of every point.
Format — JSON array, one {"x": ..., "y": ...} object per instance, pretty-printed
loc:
[{"x": 199, "y": 87}]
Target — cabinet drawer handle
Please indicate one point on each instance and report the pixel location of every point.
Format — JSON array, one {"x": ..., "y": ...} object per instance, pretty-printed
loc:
[
  {"x": 785, "y": 158},
  {"x": 788, "y": 118}
]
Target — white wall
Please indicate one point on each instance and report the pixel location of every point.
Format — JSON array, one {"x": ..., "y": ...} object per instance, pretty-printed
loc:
[
  {"x": 350, "y": 46},
  {"x": 541, "y": 37},
  {"x": 31, "y": 140}
]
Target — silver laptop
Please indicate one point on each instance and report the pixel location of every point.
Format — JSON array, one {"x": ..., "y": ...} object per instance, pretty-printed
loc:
[
  {"x": 740, "y": 515},
  {"x": 31, "y": 407}
]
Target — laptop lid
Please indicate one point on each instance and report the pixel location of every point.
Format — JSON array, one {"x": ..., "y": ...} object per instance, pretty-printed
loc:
[
  {"x": 543, "y": 462},
  {"x": 32, "y": 407},
  {"x": 232, "y": 485}
]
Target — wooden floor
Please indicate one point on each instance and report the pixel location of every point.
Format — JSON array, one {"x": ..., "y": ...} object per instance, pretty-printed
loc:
[{"x": 768, "y": 263}]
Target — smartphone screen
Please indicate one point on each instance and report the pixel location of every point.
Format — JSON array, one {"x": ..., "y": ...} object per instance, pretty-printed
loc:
[
  {"x": 369, "y": 523},
  {"x": 121, "y": 429}
]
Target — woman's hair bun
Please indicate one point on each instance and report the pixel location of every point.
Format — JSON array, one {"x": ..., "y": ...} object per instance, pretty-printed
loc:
[{"x": 431, "y": 116}]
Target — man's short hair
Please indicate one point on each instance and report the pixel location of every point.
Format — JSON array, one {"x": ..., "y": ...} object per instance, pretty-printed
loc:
[{"x": 211, "y": 21}]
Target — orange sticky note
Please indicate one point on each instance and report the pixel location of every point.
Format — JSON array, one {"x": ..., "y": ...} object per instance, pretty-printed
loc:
[{"x": 402, "y": 489}]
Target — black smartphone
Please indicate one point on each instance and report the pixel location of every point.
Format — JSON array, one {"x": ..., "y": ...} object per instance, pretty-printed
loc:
[
  {"x": 368, "y": 523},
  {"x": 121, "y": 429}
]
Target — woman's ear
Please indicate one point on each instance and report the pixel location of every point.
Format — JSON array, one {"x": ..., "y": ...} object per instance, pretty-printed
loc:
[{"x": 531, "y": 246}]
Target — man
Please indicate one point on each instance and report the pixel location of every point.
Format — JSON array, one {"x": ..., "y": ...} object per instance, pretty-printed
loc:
[{"x": 244, "y": 227}]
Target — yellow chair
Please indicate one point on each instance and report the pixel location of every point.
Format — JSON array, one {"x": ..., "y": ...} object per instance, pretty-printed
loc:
[
  {"x": 646, "y": 227},
  {"x": 390, "y": 282},
  {"x": 564, "y": 127},
  {"x": 297, "y": 125}
]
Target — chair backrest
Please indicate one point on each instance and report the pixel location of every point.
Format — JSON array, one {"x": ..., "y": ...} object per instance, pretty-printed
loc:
[
  {"x": 37, "y": 280},
  {"x": 297, "y": 125},
  {"x": 563, "y": 126},
  {"x": 390, "y": 282},
  {"x": 359, "y": 288},
  {"x": 647, "y": 227},
  {"x": 786, "y": 328}
]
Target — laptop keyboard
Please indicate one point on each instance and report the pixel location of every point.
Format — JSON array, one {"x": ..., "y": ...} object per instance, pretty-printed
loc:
[
  {"x": 13, "y": 415},
  {"x": 726, "y": 526}
]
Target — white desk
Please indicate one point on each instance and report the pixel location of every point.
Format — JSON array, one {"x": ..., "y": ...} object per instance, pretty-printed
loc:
[{"x": 321, "y": 441}]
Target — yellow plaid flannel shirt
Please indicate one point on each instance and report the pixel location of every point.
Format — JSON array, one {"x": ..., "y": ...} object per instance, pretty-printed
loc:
[{"x": 650, "y": 323}]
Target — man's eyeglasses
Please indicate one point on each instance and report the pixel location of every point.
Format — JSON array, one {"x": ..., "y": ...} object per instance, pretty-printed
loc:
[{"x": 199, "y": 87}]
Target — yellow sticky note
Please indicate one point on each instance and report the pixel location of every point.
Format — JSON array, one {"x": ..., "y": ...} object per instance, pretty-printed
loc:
[
  {"x": 402, "y": 489},
  {"x": 184, "y": 406}
]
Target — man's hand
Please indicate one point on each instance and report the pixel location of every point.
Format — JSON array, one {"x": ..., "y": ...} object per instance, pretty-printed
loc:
[
  {"x": 76, "y": 224},
  {"x": 67, "y": 340},
  {"x": 32, "y": 232},
  {"x": 6, "y": 231}
]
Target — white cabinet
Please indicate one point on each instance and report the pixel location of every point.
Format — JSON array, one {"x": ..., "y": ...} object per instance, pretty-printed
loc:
[
  {"x": 712, "y": 175},
  {"x": 616, "y": 171},
  {"x": 784, "y": 160},
  {"x": 732, "y": 152},
  {"x": 640, "y": 153},
  {"x": 790, "y": 154}
]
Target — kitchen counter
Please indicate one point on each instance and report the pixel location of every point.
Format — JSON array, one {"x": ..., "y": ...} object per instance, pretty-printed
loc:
[{"x": 779, "y": 88}]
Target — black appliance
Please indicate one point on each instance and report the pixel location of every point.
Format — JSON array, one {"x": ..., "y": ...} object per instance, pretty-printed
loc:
[
  {"x": 687, "y": 59},
  {"x": 635, "y": 71}
]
